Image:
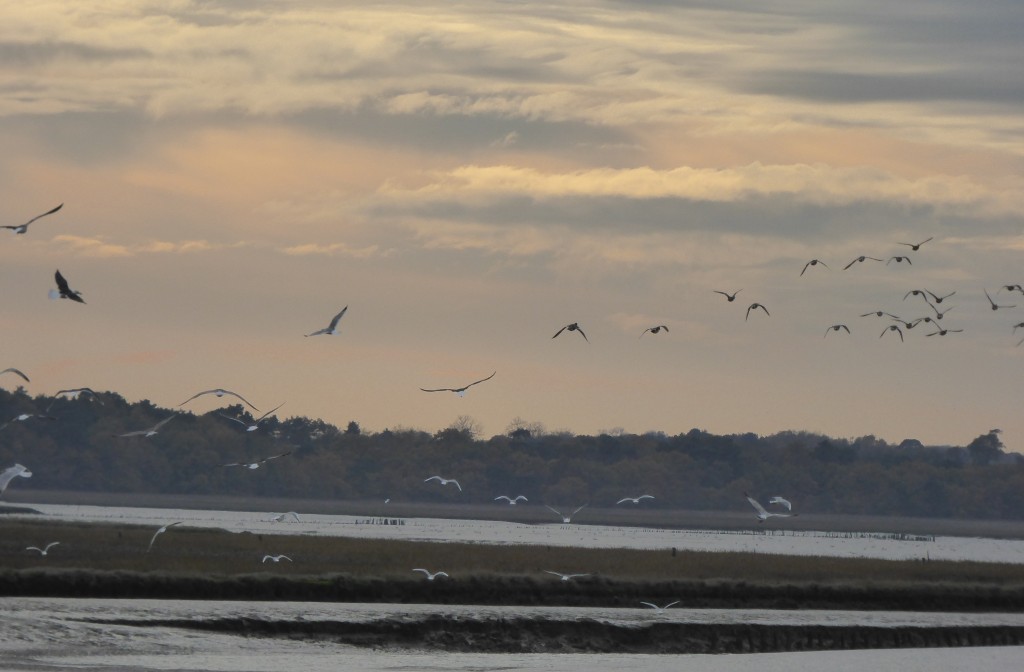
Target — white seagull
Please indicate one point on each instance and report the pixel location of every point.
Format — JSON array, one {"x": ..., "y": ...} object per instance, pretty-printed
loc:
[
  {"x": 22, "y": 228},
  {"x": 280, "y": 517},
  {"x": 444, "y": 481},
  {"x": 635, "y": 500},
  {"x": 220, "y": 392},
  {"x": 565, "y": 518},
  {"x": 332, "y": 328},
  {"x": 159, "y": 532},
  {"x": 781, "y": 502},
  {"x": 257, "y": 464},
  {"x": 42, "y": 551},
  {"x": 22, "y": 417},
  {"x": 762, "y": 514},
  {"x": 276, "y": 558},
  {"x": 565, "y": 577},
  {"x": 10, "y": 472},
  {"x": 255, "y": 423},
  {"x": 511, "y": 501},
  {"x": 461, "y": 391},
  {"x": 76, "y": 392},
  {"x": 430, "y": 577},
  {"x": 13, "y": 370},
  {"x": 657, "y": 608},
  {"x": 152, "y": 431}
]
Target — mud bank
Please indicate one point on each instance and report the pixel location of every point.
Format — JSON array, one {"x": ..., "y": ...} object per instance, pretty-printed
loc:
[{"x": 532, "y": 635}]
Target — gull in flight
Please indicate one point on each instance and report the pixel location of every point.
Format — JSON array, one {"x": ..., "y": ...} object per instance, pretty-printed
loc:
[
  {"x": 42, "y": 551},
  {"x": 255, "y": 423},
  {"x": 444, "y": 481},
  {"x": 653, "y": 330},
  {"x": 15, "y": 371},
  {"x": 572, "y": 327},
  {"x": 63, "y": 291},
  {"x": 836, "y": 327},
  {"x": 258, "y": 463},
  {"x": 280, "y": 518},
  {"x": 22, "y": 228},
  {"x": 565, "y": 577},
  {"x": 459, "y": 390},
  {"x": 755, "y": 306},
  {"x": 657, "y": 608},
  {"x": 996, "y": 306},
  {"x": 813, "y": 262},
  {"x": 635, "y": 500},
  {"x": 276, "y": 558},
  {"x": 431, "y": 577},
  {"x": 762, "y": 514},
  {"x": 332, "y": 328},
  {"x": 152, "y": 431},
  {"x": 10, "y": 473},
  {"x": 565, "y": 518},
  {"x": 512, "y": 502},
  {"x": 75, "y": 393},
  {"x": 860, "y": 259},
  {"x": 727, "y": 295},
  {"x": 916, "y": 246},
  {"x": 892, "y": 327},
  {"x": 159, "y": 532},
  {"x": 25, "y": 416},
  {"x": 781, "y": 502},
  {"x": 220, "y": 392}
]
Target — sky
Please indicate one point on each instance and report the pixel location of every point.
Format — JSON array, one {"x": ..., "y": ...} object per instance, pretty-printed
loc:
[{"x": 468, "y": 178}]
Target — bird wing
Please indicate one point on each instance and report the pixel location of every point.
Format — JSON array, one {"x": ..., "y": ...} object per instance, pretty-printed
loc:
[
  {"x": 10, "y": 472},
  {"x": 583, "y": 335},
  {"x": 646, "y": 497},
  {"x": 334, "y": 322},
  {"x": 235, "y": 394},
  {"x": 440, "y": 389},
  {"x": 477, "y": 382},
  {"x": 556, "y": 573},
  {"x": 433, "y": 478},
  {"x": 757, "y": 505},
  {"x": 554, "y": 509},
  {"x": 624, "y": 499},
  {"x": 260, "y": 419},
  {"x": 851, "y": 263},
  {"x": 522, "y": 497},
  {"x": 805, "y": 267},
  {"x": 62, "y": 284},
  {"x": 274, "y": 457},
  {"x": 16, "y": 371},
  {"x": 452, "y": 480},
  {"x": 652, "y": 606},
  {"x": 578, "y": 509},
  {"x": 420, "y": 569},
  {"x": 228, "y": 417},
  {"x": 559, "y": 331},
  {"x": 50, "y": 545},
  {"x": 48, "y": 212}
]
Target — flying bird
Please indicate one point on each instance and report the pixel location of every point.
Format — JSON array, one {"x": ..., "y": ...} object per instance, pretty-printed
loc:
[
  {"x": 892, "y": 327},
  {"x": 762, "y": 514},
  {"x": 1010, "y": 288},
  {"x": 444, "y": 481},
  {"x": 15, "y": 371},
  {"x": 879, "y": 313},
  {"x": 940, "y": 299},
  {"x": 653, "y": 330},
  {"x": 1017, "y": 326},
  {"x": 220, "y": 393},
  {"x": 255, "y": 423},
  {"x": 565, "y": 518},
  {"x": 280, "y": 518},
  {"x": 8, "y": 474},
  {"x": 572, "y": 327},
  {"x": 276, "y": 558},
  {"x": 25, "y": 416},
  {"x": 836, "y": 327},
  {"x": 565, "y": 577},
  {"x": 755, "y": 306},
  {"x": 152, "y": 431},
  {"x": 257, "y": 464},
  {"x": 159, "y": 532},
  {"x": 943, "y": 332},
  {"x": 431, "y": 576},
  {"x": 860, "y": 259},
  {"x": 916, "y": 246},
  {"x": 899, "y": 260},
  {"x": 635, "y": 500},
  {"x": 332, "y": 328},
  {"x": 63, "y": 291},
  {"x": 461, "y": 391},
  {"x": 813, "y": 262},
  {"x": 996, "y": 306},
  {"x": 42, "y": 551},
  {"x": 512, "y": 502},
  {"x": 730, "y": 297},
  {"x": 940, "y": 315},
  {"x": 75, "y": 393},
  {"x": 657, "y": 608},
  {"x": 22, "y": 228},
  {"x": 781, "y": 502}
]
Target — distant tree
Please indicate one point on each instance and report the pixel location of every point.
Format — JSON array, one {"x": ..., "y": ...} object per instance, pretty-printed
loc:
[
  {"x": 987, "y": 448},
  {"x": 353, "y": 428}
]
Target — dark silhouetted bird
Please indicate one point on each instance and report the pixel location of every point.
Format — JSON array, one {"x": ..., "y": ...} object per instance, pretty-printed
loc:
[
  {"x": 730, "y": 297},
  {"x": 859, "y": 259},
  {"x": 996, "y": 306},
  {"x": 63, "y": 291},
  {"x": 898, "y": 260},
  {"x": 837, "y": 327},
  {"x": 916, "y": 246},
  {"x": 654, "y": 330},
  {"x": 892, "y": 327},
  {"x": 459, "y": 390},
  {"x": 814, "y": 262},
  {"x": 755, "y": 306},
  {"x": 572, "y": 327}
]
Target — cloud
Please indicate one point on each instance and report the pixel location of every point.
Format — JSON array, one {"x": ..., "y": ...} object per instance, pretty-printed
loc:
[
  {"x": 335, "y": 249},
  {"x": 99, "y": 248}
]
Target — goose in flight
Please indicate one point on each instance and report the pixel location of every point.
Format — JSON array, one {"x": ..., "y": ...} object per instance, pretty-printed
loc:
[
  {"x": 258, "y": 463},
  {"x": 255, "y": 423},
  {"x": 916, "y": 246},
  {"x": 892, "y": 327},
  {"x": 565, "y": 577},
  {"x": 653, "y": 330},
  {"x": 657, "y": 608},
  {"x": 728, "y": 296},
  {"x": 916, "y": 292},
  {"x": 17, "y": 372},
  {"x": 431, "y": 576},
  {"x": 879, "y": 313},
  {"x": 22, "y": 228},
  {"x": 461, "y": 391},
  {"x": 565, "y": 518},
  {"x": 332, "y": 328},
  {"x": 762, "y": 514},
  {"x": 512, "y": 502},
  {"x": 755, "y": 306},
  {"x": 996, "y": 306},
  {"x": 152, "y": 431},
  {"x": 635, "y": 500},
  {"x": 813, "y": 262},
  {"x": 64, "y": 291},
  {"x": 44, "y": 550},
  {"x": 276, "y": 558},
  {"x": 943, "y": 332},
  {"x": 860, "y": 259},
  {"x": 220, "y": 392},
  {"x": 8, "y": 474},
  {"x": 939, "y": 299},
  {"x": 159, "y": 532},
  {"x": 836, "y": 327},
  {"x": 444, "y": 481},
  {"x": 899, "y": 260},
  {"x": 572, "y": 327},
  {"x": 280, "y": 517},
  {"x": 781, "y": 502}
]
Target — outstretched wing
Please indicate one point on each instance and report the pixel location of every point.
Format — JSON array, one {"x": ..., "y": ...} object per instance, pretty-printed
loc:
[
  {"x": 477, "y": 382},
  {"x": 334, "y": 321},
  {"x": 16, "y": 371},
  {"x": 757, "y": 505}
]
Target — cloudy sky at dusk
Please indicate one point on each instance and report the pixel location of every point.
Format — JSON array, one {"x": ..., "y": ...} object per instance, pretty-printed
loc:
[{"x": 470, "y": 177}]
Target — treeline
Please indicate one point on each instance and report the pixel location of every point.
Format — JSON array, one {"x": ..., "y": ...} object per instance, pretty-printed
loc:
[{"x": 73, "y": 444}]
